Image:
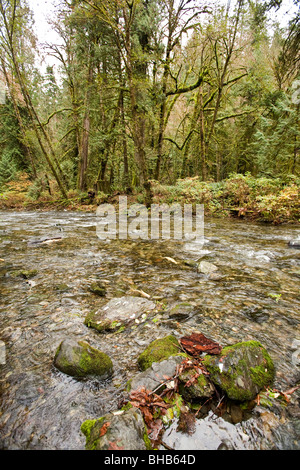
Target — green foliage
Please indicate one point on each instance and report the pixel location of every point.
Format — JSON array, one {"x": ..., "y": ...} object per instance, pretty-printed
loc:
[
  {"x": 266, "y": 199},
  {"x": 12, "y": 158},
  {"x": 239, "y": 120},
  {"x": 8, "y": 165}
]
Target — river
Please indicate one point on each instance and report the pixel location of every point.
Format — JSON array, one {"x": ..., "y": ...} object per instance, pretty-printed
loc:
[{"x": 255, "y": 297}]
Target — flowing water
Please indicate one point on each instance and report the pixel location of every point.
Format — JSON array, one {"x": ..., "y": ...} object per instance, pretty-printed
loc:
[{"x": 255, "y": 297}]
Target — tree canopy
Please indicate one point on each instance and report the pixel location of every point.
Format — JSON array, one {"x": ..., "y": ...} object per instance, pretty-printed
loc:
[{"x": 149, "y": 90}]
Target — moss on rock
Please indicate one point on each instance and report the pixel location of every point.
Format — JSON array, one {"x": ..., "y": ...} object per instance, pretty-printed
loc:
[
  {"x": 117, "y": 313},
  {"x": 119, "y": 430},
  {"x": 98, "y": 289},
  {"x": 199, "y": 388},
  {"x": 25, "y": 274},
  {"x": 241, "y": 370},
  {"x": 80, "y": 360},
  {"x": 159, "y": 350}
]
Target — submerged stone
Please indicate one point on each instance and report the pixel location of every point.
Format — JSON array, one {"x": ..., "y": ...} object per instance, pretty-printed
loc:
[
  {"x": 98, "y": 289},
  {"x": 119, "y": 313},
  {"x": 181, "y": 311},
  {"x": 25, "y": 274},
  {"x": 159, "y": 350},
  {"x": 241, "y": 370},
  {"x": 79, "y": 359},
  {"x": 118, "y": 430},
  {"x": 204, "y": 267}
]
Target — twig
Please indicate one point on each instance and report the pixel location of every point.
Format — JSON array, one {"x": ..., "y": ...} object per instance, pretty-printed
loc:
[
  {"x": 203, "y": 405},
  {"x": 166, "y": 445},
  {"x": 220, "y": 401}
]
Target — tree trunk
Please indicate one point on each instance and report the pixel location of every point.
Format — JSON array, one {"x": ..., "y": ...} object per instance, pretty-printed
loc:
[
  {"x": 20, "y": 121},
  {"x": 84, "y": 147}
]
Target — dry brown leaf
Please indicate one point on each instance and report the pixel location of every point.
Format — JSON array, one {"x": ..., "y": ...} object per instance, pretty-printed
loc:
[
  {"x": 104, "y": 428},
  {"x": 114, "y": 446},
  {"x": 197, "y": 343}
]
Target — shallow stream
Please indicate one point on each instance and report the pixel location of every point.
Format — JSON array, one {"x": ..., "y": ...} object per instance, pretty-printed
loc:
[{"x": 255, "y": 297}]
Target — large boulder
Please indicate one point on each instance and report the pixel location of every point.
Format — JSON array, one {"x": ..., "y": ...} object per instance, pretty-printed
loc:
[
  {"x": 80, "y": 360},
  {"x": 119, "y": 313},
  {"x": 118, "y": 430},
  {"x": 159, "y": 350},
  {"x": 241, "y": 370}
]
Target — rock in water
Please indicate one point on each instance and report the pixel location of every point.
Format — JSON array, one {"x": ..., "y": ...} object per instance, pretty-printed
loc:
[
  {"x": 156, "y": 374},
  {"x": 98, "y": 288},
  {"x": 159, "y": 350},
  {"x": 80, "y": 360},
  {"x": 119, "y": 312},
  {"x": 199, "y": 387},
  {"x": 241, "y": 370},
  {"x": 119, "y": 430},
  {"x": 294, "y": 244},
  {"x": 204, "y": 267}
]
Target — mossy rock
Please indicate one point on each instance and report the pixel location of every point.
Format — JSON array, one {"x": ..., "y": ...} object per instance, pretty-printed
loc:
[
  {"x": 119, "y": 430},
  {"x": 119, "y": 312},
  {"x": 200, "y": 388},
  {"x": 80, "y": 360},
  {"x": 181, "y": 311},
  {"x": 25, "y": 274},
  {"x": 98, "y": 289},
  {"x": 159, "y": 350},
  {"x": 241, "y": 370},
  {"x": 153, "y": 377}
]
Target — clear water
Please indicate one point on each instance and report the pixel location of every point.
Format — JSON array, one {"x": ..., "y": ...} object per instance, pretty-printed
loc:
[{"x": 256, "y": 297}]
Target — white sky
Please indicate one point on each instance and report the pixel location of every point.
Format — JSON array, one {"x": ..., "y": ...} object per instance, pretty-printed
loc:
[{"x": 46, "y": 8}]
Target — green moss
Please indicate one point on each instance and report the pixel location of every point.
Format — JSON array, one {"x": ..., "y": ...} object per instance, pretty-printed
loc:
[
  {"x": 128, "y": 385},
  {"x": 25, "y": 274},
  {"x": 127, "y": 407},
  {"x": 29, "y": 274},
  {"x": 264, "y": 372},
  {"x": 90, "y": 429},
  {"x": 103, "y": 325},
  {"x": 79, "y": 359},
  {"x": 159, "y": 350},
  {"x": 62, "y": 287},
  {"x": 114, "y": 324},
  {"x": 147, "y": 440},
  {"x": 94, "y": 361},
  {"x": 99, "y": 326},
  {"x": 87, "y": 426},
  {"x": 176, "y": 403},
  {"x": 239, "y": 379},
  {"x": 97, "y": 289}
]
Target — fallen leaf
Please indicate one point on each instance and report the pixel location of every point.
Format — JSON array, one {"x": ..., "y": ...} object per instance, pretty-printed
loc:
[
  {"x": 114, "y": 446},
  {"x": 197, "y": 343},
  {"x": 104, "y": 428},
  {"x": 187, "y": 423}
]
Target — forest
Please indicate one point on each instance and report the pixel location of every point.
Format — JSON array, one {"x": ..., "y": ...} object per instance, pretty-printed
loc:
[
  {"x": 163, "y": 100},
  {"x": 120, "y": 336}
]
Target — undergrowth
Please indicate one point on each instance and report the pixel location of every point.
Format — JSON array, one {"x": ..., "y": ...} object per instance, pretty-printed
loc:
[{"x": 272, "y": 200}]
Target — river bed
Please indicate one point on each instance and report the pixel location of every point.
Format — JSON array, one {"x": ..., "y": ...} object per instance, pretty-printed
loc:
[{"x": 256, "y": 297}]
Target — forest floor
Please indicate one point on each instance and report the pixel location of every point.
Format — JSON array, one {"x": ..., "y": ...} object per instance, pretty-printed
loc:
[{"x": 270, "y": 200}]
